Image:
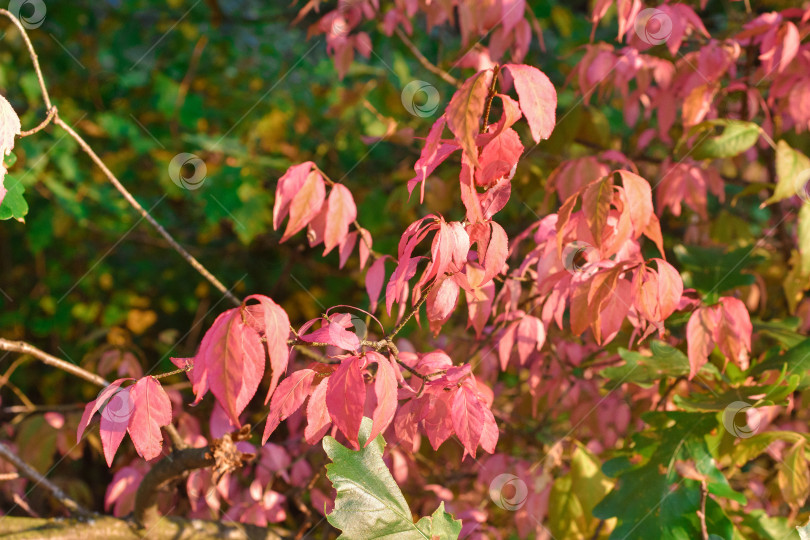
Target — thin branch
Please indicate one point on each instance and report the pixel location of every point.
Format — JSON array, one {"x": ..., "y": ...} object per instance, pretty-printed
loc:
[
  {"x": 33, "y": 475},
  {"x": 42, "y": 125},
  {"x": 490, "y": 96},
  {"x": 413, "y": 312},
  {"x": 704, "y": 493},
  {"x": 146, "y": 215},
  {"x": 110, "y": 176},
  {"x": 424, "y": 61},
  {"x": 26, "y": 348},
  {"x": 45, "y": 97}
]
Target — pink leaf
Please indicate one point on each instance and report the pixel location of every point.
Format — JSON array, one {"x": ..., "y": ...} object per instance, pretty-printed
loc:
[
  {"x": 115, "y": 417},
  {"x": 345, "y": 398},
  {"x": 465, "y": 110},
  {"x": 699, "y": 336},
  {"x": 305, "y": 204},
  {"x": 495, "y": 253},
  {"x": 530, "y": 337},
  {"x": 385, "y": 388},
  {"x": 151, "y": 410},
  {"x": 538, "y": 99},
  {"x": 289, "y": 396},
  {"x": 288, "y": 186},
  {"x": 468, "y": 418},
  {"x": 234, "y": 357},
  {"x": 318, "y": 420},
  {"x": 342, "y": 212},
  {"x": 96, "y": 405},
  {"x": 375, "y": 276},
  {"x": 276, "y": 330}
]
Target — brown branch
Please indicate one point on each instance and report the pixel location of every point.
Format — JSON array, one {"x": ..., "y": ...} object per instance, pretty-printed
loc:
[
  {"x": 146, "y": 215},
  {"x": 110, "y": 176},
  {"x": 704, "y": 493},
  {"x": 110, "y": 528},
  {"x": 26, "y": 470},
  {"x": 26, "y": 348},
  {"x": 424, "y": 61},
  {"x": 490, "y": 96},
  {"x": 42, "y": 125},
  {"x": 45, "y": 97}
]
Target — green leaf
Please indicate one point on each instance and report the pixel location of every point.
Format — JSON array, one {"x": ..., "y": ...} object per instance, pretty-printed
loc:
[
  {"x": 793, "y": 475},
  {"x": 792, "y": 172},
  {"x": 13, "y": 205},
  {"x": 646, "y": 370},
  {"x": 369, "y": 504},
  {"x": 783, "y": 331},
  {"x": 735, "y": 138},
  {"x": 804, "y": 238},
  {"x": 650, "y": 500},
  {"x": 712, "y": 270}
]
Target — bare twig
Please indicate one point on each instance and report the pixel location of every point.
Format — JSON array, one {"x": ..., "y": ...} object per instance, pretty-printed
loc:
[
  {"x": 42, "y": 125},
  {"x": 26, "y": 348},
  {"x": 145, "y": 214},
  {"x": 493, "y": 89},
  {"x": 704, "y": 493},
  {"x": 45, "y": 97},
  {"x": 424, "y": 61},
  {"x": 52, "y": 113},
  {"x": 39, "y": 480}
]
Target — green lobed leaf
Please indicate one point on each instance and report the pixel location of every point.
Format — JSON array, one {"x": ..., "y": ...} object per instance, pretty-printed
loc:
[
  {"x": 792, "y": 172},
  {"x": 13, "y": 205},
  {"x": 369, "y": 504},
  {"x": 735, "y": 138}
]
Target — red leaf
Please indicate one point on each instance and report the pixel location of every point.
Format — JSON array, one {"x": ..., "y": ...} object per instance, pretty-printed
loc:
[
  {"x": 289, "y": 396},
  {"x": 538, "y": 99},
  {"x": 498, "y": 158},
  {"x": 288, "y": 186},
  {"x": 530, "y": 337},
  {"x": 235, "y": 362},
  {"x": 495, "y": 254},
  {"x": 596, "y": 201},
  {"x": 639, "y": 199},
  {"x": 441, "y": 302},
  {"x": 305, "y": 204},
  {"x": 375, "y": 276},
  {"x": 318, "y": 420},
  {"x": 96, "y": 405},
  {"x": 345, "y": 398},
  {"x": 699, "y": 335},
  {"x": 151, "y": 410},
  {"x": 342, "y": 212},
  {"x": 385, "y": 388},
  {"x": 115, "y": 418},
  {"x": 468, "y": 418},
  {"x": 465, "y": 110},
  {"x": 276, "y": 329}
]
